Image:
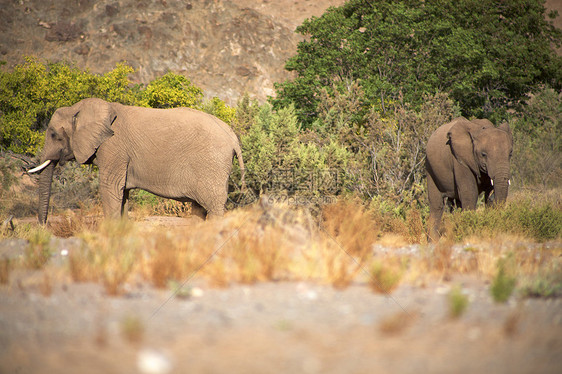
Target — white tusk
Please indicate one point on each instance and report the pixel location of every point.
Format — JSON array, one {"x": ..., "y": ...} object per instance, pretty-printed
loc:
[
  {"x": 509, "y": 182},
  {"x": 40, "y": 167},
  {"x": 491, "y": 180}
]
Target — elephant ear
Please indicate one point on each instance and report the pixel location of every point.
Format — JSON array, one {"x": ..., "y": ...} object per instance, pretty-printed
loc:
[
  {"x": 505, "y": 127},
  {"x": 91, "y": 127},
  {"x": 461, "y": 140}
]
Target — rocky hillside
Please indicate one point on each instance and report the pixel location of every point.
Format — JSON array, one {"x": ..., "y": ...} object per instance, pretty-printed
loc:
[{"x": 225, "y": 47}]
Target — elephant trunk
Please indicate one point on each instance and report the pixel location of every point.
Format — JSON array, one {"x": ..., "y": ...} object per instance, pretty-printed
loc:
[
  {"x": 500, "y": 182},
  {"x": 45, "y": 180}
]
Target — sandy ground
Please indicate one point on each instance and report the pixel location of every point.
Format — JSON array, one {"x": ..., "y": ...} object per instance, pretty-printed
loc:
[{"x": 282, "y": 327}]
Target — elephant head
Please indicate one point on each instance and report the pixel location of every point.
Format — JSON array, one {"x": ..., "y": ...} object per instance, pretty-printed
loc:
[
  {"x": 486, "y": 150},
  {"x": 73, "y": 133}
]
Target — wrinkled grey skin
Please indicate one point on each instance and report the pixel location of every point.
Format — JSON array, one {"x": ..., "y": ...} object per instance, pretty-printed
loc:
[
  {"x": 179, "y": 153},
  {"x": 463, "y": 159}
]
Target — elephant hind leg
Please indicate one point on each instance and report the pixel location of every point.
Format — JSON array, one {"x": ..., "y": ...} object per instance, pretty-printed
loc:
[{"x": 197, "y": 210}]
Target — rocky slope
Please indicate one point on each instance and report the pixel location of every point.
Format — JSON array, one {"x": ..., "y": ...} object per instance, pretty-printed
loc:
[{"x": 225, "y": 47}]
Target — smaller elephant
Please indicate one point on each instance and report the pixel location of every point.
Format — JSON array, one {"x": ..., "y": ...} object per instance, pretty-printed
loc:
[
  {"x": 178, "y": 153},
  {"x": 463, "y": 159}
]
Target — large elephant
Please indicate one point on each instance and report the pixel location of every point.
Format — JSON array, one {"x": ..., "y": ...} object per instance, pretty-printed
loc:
[
  {"x": 179, "y": 153},
  {"x": 463, "y": 159}
]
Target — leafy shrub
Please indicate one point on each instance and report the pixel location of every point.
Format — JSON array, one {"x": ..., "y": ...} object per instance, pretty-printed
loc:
[
  {"x": 385, "y": 278},
  {"x": 537, "y": 132},
  {"x": 170, "y": 91},
  {"x": 219, "y": 109},
  {"x": 397, "y": 48},
  {"x": 31, "y": 93},
  {"x": 8, "y": 179}
]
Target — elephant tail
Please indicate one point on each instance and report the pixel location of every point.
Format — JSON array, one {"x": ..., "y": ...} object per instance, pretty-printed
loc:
[{"x": 238, "y": 153}]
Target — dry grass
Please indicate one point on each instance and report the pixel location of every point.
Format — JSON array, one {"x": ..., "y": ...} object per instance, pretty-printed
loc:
[
  {"x": 258, "y": 255},
  {"x": 108, "y": 255},
  {"x": 178, "y": 257},
  {"x": 347, "y": 235},
  {"x": 72, "y": 223},
  {"x": 271, "y": 243}
]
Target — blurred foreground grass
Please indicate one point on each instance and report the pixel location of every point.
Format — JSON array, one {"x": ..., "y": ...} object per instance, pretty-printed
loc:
[{"x": 517, "y": 248}]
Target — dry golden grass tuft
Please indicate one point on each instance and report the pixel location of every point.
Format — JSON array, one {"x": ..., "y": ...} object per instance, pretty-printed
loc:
[
  {"x": 346, "y": 236},
  {"x": 511, "y": 323},
  {"x": 72, "y": 223},
  {"x": 108, "y": 255},
  {"x": 179, "y": 256},
  {"x": 258, "y": 255}
]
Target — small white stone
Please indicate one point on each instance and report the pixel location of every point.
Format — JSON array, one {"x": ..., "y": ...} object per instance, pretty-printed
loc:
[
  {"x": 64, "y": 252},
  {"x": 197, "y": 292},
  {"x": 150, "y": 361}
]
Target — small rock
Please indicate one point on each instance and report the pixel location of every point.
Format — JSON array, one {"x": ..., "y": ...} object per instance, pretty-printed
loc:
[
  {"x": 150, "y": 361},
  {"x": 197, "y": 292}
]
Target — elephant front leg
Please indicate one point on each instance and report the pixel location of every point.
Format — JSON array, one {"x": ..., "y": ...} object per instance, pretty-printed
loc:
[
  {"x": 466, "y": 186},
  {"x": 113, "y": 195},
  {"x": 436, "y": 206}
]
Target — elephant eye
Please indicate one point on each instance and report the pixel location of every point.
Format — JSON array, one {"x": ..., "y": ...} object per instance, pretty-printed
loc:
[{"x": 483, "y": 154}]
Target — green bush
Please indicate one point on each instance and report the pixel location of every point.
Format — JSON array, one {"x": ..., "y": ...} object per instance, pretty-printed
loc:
[
  {"x": 537, "y": 132},
  {"x": 404, "y": 49},
  {"x": 219, "y": 109},
  {"x": 31, "y": 93},
  {"x": 170, "y": 91}
]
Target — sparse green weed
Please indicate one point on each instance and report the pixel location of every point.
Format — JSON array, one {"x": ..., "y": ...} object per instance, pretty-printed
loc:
[
  {"x": 458, "y": 302},
  {"x": 384, "y": 278},
  {"x": 545, "y": 284},
  {"x": 38, "y": 251},
  {"x": 132, "y": 329},
  {"x": 504, "y": 282}
]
